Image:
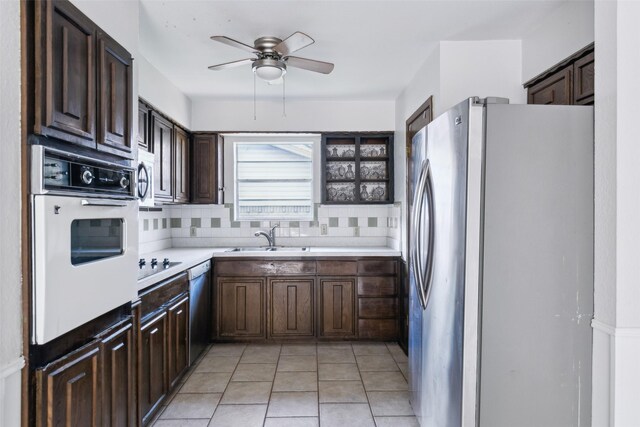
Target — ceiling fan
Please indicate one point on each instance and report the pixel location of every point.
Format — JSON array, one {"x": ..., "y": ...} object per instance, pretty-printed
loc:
[{"x": 273, "y": 56}]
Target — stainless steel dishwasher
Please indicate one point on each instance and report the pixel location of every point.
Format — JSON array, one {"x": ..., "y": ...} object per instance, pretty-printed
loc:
[{"x": 199, "y": 308}]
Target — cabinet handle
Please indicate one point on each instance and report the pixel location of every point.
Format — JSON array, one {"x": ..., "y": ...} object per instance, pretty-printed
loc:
[
  {"x": 179, "y": 312},
  {"x": 154, "y": 331},
  {"x": 179, "y": 303}
]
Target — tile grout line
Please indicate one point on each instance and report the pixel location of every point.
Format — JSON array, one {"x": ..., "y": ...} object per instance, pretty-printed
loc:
[
  {"x": 228, "y": 382},
  {"x": 273, "y": 381}
]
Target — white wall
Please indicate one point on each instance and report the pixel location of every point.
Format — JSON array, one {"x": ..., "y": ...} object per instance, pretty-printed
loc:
[
  {"x": 11, "y": 360},
  {"x": 162, "y": 94},
  {"x": 301, "y": 116},
  {"x": 453, "y": 71},
  {"x": 480, "y": 68},
  {"x": 568, "y": 29},
  {"x": 616, "y": 343}
]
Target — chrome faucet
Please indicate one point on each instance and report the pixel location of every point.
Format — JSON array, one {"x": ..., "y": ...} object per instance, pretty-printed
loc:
[{"x": 271, "y": 235}]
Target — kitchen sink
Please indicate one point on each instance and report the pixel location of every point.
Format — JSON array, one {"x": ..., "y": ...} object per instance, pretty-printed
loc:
[{"x": 271, "y": 249}]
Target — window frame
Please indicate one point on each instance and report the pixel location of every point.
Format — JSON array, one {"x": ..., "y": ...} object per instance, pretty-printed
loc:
[{"x": 314, "y": 140}]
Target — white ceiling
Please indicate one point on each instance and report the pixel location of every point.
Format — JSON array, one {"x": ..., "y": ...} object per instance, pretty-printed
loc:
[{"x": 376, "y": 46}]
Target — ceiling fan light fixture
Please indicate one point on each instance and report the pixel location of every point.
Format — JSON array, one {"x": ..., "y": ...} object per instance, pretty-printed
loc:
[{"x": 269, "y": 69}]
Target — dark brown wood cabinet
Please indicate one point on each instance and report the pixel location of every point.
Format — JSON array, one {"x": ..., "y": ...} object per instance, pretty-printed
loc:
[
  {"x": 119, "y": 398},
  {"x": 180, "y": 166},
  {"x": 153, "y": 367},
  {"x": 326, "y": 298},
  {"x": 83, "y": 90},
  {"x": 337, "y": 306},
  {"x": 144, "y": 133},
  {"x": 69, "y": 390},
  {"x": 554, "y": 90},
  {"x": 291, "y": 303},
  {"x": 570, "y": 82},
  {"x": 178, "y": 339},
  {"x": 65, "y": 73},
  {"x": 115, "y": 95},
  {"x": 240, "y": 307},
  {"x": 206, "y": 168},
  {"x": 357, "y": 168},
  {"x": 584, "y": 80},
  {"x": 162, "y": 137}
]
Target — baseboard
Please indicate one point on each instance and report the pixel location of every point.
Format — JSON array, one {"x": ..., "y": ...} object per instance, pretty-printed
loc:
[{"x": 10, "y": 393}]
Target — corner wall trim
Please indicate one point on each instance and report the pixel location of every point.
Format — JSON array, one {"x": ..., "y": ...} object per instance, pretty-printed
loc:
[{"x": 632, "y": 332}]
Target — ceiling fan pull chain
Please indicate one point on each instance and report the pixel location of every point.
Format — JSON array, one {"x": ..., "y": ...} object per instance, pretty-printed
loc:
[
  {"x": 254, "y": 96},
  {"x": 284, "y": 109}
]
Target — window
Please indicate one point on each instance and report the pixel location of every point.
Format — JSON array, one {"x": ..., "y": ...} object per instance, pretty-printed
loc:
[{"x": 274, "y": 178}]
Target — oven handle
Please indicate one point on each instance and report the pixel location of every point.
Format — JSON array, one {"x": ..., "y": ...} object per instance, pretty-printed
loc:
[{"x": 113, "y": 203}]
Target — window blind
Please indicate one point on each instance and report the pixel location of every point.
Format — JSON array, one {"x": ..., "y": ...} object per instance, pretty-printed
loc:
[{"x": 274, "y": 181}]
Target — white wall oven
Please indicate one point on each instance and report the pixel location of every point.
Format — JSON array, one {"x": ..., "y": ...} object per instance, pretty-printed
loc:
[{"x": 85, "y": 240}]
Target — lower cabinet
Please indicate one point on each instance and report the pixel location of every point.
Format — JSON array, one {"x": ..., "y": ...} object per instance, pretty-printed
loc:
[
  {"x": 178, "y": 343},
  {"x": 91, "y": 386},
  {"x": 337, "y": 306},
  {"x": 240, "y": 307},
  {"x": 291, "y": 307},
  {"x": 69, "y": 390},
  {"x": 325, "y": 298},
  {"x": 153, "y": 366},
  {"x": 118, "y": 368}
]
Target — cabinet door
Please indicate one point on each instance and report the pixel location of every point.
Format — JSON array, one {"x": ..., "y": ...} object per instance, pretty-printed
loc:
[
  {"x": 291, "y": 307},
  {"x": 153, "y": 379},
  {"x": 144, "y": 140},
  {"x": 583, "y": 80},
  {"x": 337, "y": 306},
  {"x": 178, "y": 354},
  {"x": 69, "y": 389},
  {"x": 204, "y": 187},
  {"x": 65, "y": 73},
  {"x": 240, "y": 307},
  {"x": 118, "y": 395},
  {"x": 162, "y": 133},
  {"x": 115, "y": 97},
  {"x": 555, "y": 89},
  {"x": 181, "y": 166}
]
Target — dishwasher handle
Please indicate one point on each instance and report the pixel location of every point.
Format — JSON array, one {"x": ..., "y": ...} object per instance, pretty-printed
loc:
[{"x": 199, "y": 270}]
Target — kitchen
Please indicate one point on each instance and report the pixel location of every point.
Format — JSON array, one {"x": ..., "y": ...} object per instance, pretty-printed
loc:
[{"x": 449, "y": 72}]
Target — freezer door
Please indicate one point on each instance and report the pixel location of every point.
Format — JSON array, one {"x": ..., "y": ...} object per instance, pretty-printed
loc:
[{"x": 444, "y": 275}]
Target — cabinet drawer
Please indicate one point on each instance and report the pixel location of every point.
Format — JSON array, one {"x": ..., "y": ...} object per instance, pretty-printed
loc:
[
  {"x": 337, "y": 268},
  {"x": 380, "y": 329},
  {"x": 379, "y": 266},
  {"x": 377, "y": 286},
  {"x": 377, "y": 307},
  {"x": 264, "y": 268},
  {"x": 160, "y": 294}
]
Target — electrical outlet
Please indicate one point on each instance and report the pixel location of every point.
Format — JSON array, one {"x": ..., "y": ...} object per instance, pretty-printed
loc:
[
  {"x": 323, "y": 229},
  {"x": 356, "y": 231},
  {"x": 193, "y": 232}
]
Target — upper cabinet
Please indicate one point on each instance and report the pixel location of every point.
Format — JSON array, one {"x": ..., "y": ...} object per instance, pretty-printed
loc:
[
  {"x": 206, "y": 169},
  {"x": 357, "y": 168},
  {"x": 144, "y": 136},
  {"x": 162, "y": 137},
  {"x": 570, "y": 82},
  {"x": 83, "y": 90}
]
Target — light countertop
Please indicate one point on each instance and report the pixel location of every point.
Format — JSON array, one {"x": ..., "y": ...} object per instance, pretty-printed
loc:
[{"x": 189, "y": 257}]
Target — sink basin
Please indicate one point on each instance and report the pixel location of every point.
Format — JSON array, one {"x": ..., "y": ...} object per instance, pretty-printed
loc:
[{"x": 270, "y": 249}]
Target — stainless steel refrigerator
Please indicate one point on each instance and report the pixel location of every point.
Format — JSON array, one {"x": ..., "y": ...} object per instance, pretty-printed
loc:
[{"x": 501, "y": 266}]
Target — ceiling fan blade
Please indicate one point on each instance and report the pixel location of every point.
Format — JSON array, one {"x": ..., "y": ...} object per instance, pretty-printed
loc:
[
  {"x": 295, "y": 41},
  {"x": 232, "y": 64},
  {"x": 235, "y": 43},
  {"x": 309, "y": 64}
]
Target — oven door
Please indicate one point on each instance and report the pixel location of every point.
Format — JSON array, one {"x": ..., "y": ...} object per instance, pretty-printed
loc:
[{"x": 85, "y": 254}]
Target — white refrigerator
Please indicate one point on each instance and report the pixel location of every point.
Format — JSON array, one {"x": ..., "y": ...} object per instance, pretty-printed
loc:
[{"x": 501, "y": 266}]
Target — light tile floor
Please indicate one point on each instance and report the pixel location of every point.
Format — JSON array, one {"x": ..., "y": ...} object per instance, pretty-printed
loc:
[{"x": 333, "y": 384}]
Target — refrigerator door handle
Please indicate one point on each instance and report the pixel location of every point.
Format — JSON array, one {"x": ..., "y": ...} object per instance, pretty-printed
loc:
[
  {"x": 426, "y": 279},
  {"x": 416, "y": 246}
]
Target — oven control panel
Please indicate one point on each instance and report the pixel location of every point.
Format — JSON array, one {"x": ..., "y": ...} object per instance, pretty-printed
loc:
[{"x": 70, "y": 174}]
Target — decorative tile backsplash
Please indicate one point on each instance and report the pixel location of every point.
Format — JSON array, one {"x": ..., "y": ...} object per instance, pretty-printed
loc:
[{"x": 213, "y": 225}]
